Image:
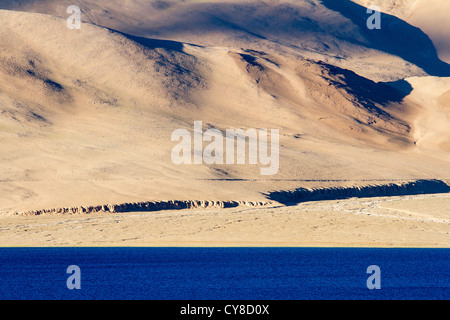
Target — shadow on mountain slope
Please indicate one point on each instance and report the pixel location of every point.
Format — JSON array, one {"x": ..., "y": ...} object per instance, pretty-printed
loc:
[
  {"x": 417, "y": 187},
  {"x": 396, "y": 37},
  {"x": 154, "y": 43},
  {"x": 401, "y": 85},
  {"x": 367, "y": 92}
]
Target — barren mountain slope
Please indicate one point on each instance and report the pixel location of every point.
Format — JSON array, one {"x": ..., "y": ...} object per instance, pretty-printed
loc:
[
  {"x": 87, "y": 115},
  {"x": 316, "y": 29}
]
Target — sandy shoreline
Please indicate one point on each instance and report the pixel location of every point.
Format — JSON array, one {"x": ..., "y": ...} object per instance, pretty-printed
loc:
[{"x": 406, "y": 221}]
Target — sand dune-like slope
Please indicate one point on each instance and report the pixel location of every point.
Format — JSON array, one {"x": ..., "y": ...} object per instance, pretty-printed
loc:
[
  {"x": 328, "y": 30},
  {"x": 86, "y": 116}
]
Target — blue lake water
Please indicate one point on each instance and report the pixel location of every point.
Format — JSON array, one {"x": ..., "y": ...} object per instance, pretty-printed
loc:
[{"x": 224, "y": 273}]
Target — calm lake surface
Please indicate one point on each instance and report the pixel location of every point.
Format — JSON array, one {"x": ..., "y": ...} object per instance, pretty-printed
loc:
[{"x": 224, "y": 273}]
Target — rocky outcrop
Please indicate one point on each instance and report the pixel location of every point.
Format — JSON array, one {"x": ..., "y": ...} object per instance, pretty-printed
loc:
[
  {"x": 146, "y": 206},
  {"x": 384, "y": 190},
  {"x": 284, "y": 197}
]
